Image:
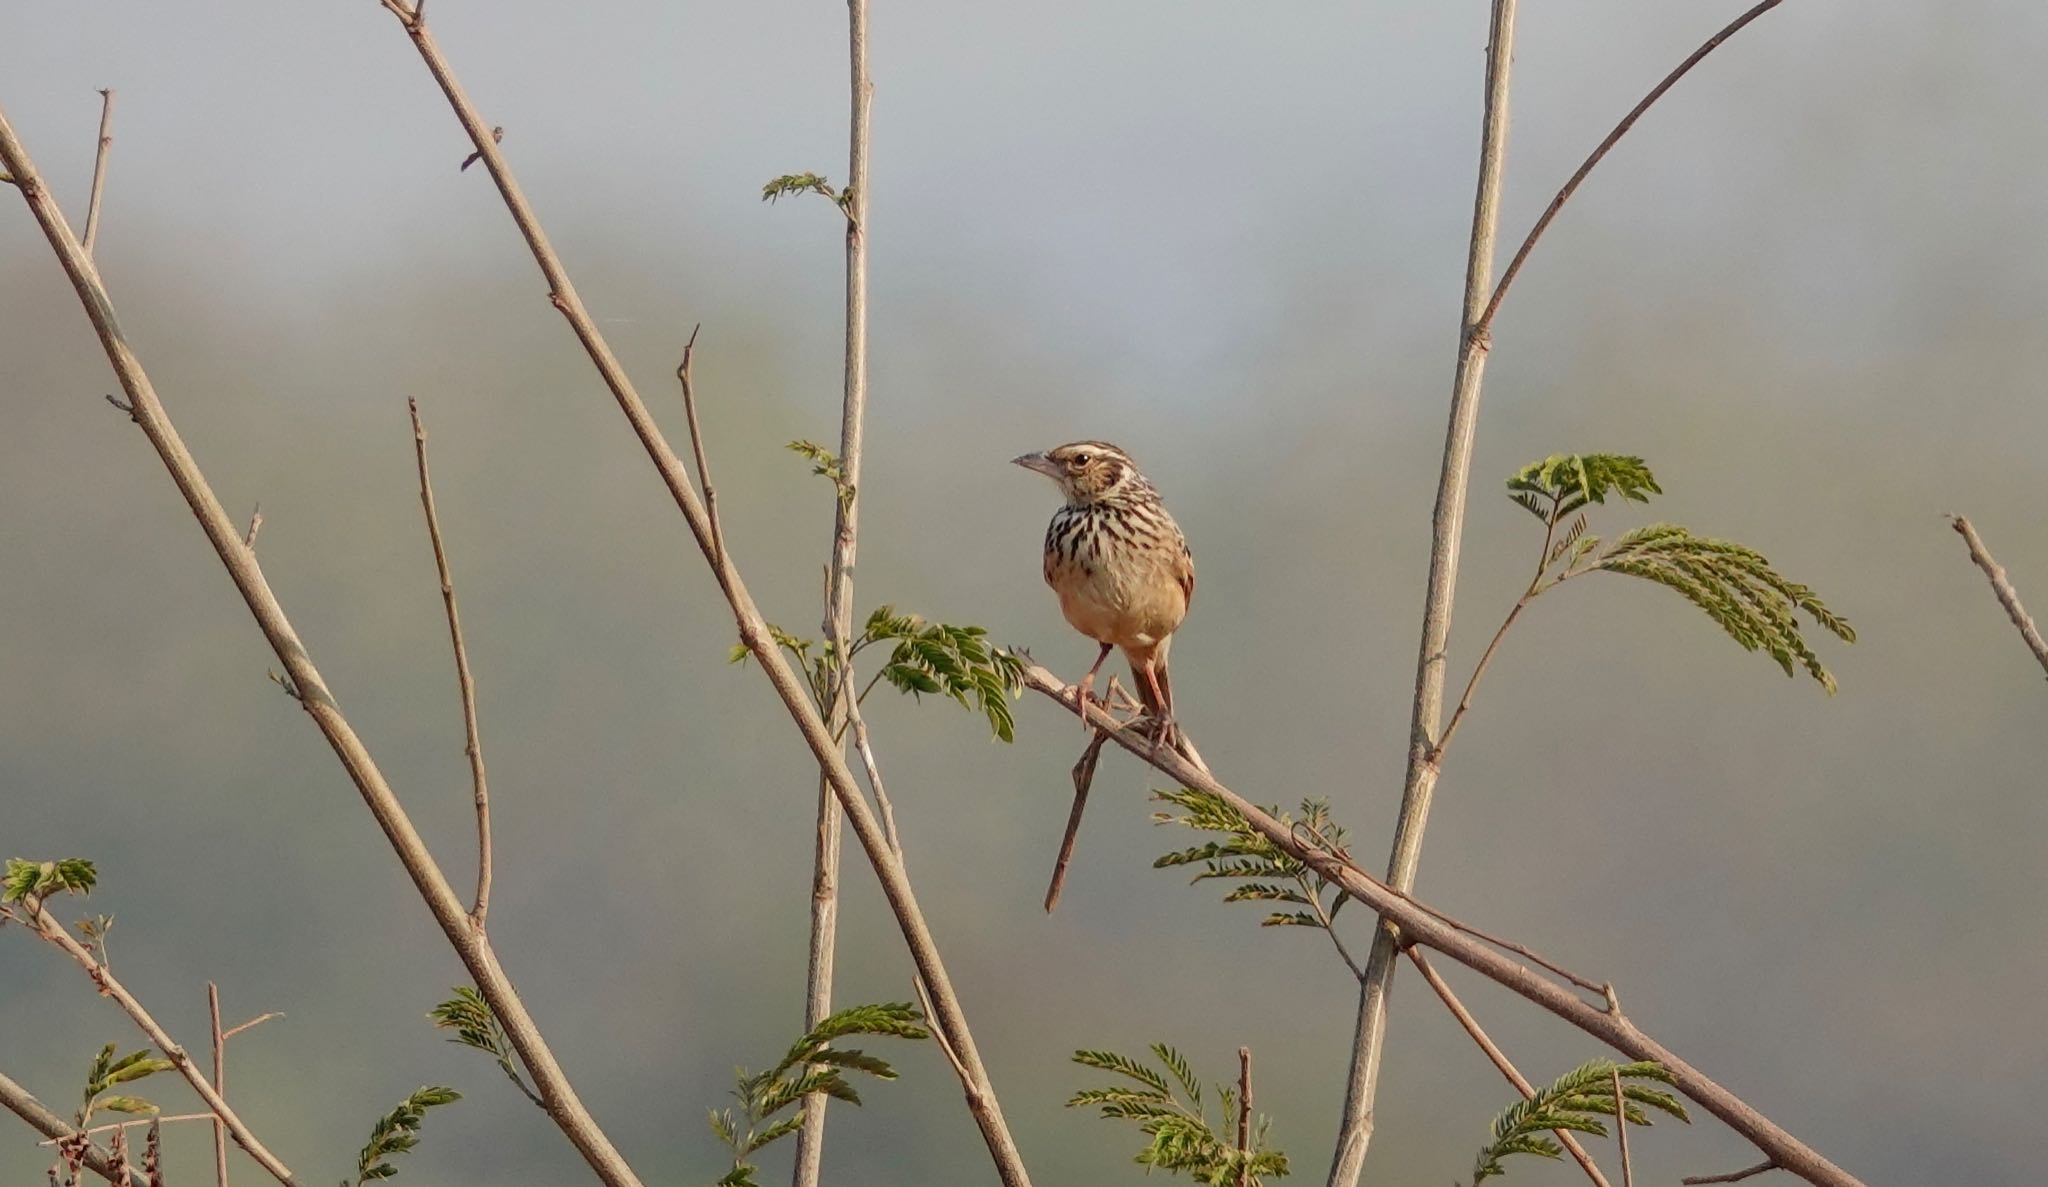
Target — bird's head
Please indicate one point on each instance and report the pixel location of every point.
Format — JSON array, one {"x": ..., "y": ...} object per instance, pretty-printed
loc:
[{"x": 1089, "y": 472}]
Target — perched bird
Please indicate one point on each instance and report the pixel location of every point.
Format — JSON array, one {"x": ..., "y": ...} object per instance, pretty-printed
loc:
[{"x": 1119, "y": 564}]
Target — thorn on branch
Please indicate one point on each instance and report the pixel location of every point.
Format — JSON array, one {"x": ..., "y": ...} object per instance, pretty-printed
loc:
[
  {"x": 697, "y": 449},
  {"x": 124, "y": 406},
  {"x": 497, "y": 133}
]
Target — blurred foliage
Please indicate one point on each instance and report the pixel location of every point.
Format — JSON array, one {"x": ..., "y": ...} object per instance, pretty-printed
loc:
[
  {"x": 1735, "y": 585},
  {"x": 811, "y": 1065},
  {"x": 1575, "y": 1101},
  {"x": 397, "y": 1132},
  {"x": 476, "y": 1026},
  {"x": 1172, "y": 1117},
  {"x": 41, "y": 879}
]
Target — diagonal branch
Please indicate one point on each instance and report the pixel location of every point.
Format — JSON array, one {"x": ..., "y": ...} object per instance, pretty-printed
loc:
[
  {"x": 1447, "y": 530},
  {"x": 948, "y": 1015},
  {"x": 99, "y": 170},
  {"x": 309, "y": 688},
  {"x": 473, "y": 745},
  {"x": 2008, "y": 597},
  {"x": 19, "y": 1101},
  {"x": 47, "y": 927},
  {"x": 1421, "y": 925},
  {"x": 1500, "y": 1060},
  {"x": 1628, "y": 121}
]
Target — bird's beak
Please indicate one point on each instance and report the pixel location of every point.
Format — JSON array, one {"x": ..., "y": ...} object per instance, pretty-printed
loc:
[{"x": 1039, "y": 462}]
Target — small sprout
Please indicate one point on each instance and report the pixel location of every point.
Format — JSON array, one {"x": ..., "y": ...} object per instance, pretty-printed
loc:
[
  {"x": 1171, "y": 1115},
  {"x": 398, "y": 1132},
  {"x": 476, "y": 1026},
  {"x": 39, "y": 880},
  {"x": 811, "y": 1065}
]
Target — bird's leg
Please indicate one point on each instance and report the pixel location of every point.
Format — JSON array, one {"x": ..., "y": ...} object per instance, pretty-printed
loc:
[
  {"x": 1162, "y": 707},
  {"x": 1088, "y": 682}
]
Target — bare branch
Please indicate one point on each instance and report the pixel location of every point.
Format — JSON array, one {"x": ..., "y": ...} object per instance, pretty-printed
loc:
[
  {"x": 810, "y": 1141},
  {"x": 473, "y": 744},
  {"x": 1244, "y": 1115},
  {"x": 23, "y": 1104},
  {"x": 1514, "y": 268},
  {"x": 1500, "y": 1060},
  {"x": 1084, "y": 778},
  {"x": 1447, "y": 530},
  {"x": 220, "y": 1076},
  {"x": 99, "y": 171},
  {"x": 946, "y": 1015},
  {"x": 303, "y": 680},
  {"x": 47, "y": 927},
  {"x": 1420, "y": 925},
  {"x": 1748, "y": 1172},
  {"x": 2008, "y": 597}
]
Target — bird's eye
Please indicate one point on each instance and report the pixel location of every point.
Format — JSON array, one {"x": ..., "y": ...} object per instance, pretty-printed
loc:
[{"x": 1082, "y": 459}]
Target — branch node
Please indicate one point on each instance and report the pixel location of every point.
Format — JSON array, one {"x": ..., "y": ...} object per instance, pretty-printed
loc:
[
  {"x": 124, "y": 406},
  {"x": 497, "y": 137},
  {"x": 255, "y": 526}
]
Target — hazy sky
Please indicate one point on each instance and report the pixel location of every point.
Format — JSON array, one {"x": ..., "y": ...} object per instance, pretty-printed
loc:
[{"x": 1229, "y": 237}]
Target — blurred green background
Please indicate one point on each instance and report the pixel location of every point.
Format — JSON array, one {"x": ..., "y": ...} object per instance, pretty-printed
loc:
[{"x": 1229, "y": 237}]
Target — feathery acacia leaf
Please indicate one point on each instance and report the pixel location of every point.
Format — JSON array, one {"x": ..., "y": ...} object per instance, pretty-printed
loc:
[
  {"x": 810, "y": 1066},
  {"x": 398, "y": 1132},
  {"x": 1179, "y": 1137},
  {"x": 1575, "y": 1102}
]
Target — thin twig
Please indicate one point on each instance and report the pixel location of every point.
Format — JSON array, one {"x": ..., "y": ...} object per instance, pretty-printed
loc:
[
  {"x": 1543, "y": 563},
  {"x": 220, "y": 1084},
  {"x": 697, "y": 446},
  {"x": 946, "y": 1015},
  {"x": 130, "y": 1124},
  {"x": 473, "y": 745},
  {"x": 1244, "y": 1115},
  {"x": 1084, "y": 778},
  {"x": 99, "y": 171},
  {"x": 2008, "y": 597},
  {"x": 1447, "y": 530},
  {"x": 23, "y": 1104},
  {"x": 1748, "y": 1172},
  {"x": 1514, "y": 268},
  {"x": 47, "y": 927},
  {"x": 303, "y": 680},
  {"x": 1420, "y": 925},
  {"x": 1500, "y": 1060},
  {"x": 252, "y": 1023},
  {"x": 1628, "y": 1174}
]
